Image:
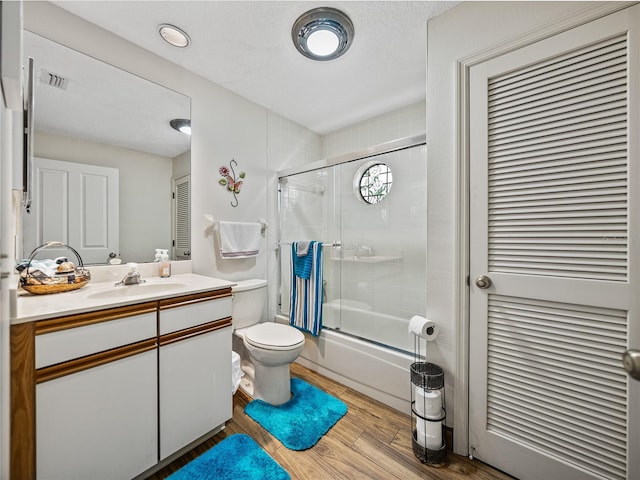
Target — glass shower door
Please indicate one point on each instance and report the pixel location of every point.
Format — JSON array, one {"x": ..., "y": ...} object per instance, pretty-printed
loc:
[
  {"x": 376, "y": 207},
  {"x": 383, "y": 255}
]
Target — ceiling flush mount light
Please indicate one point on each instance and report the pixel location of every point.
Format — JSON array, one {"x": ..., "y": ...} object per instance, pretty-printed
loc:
[
  {"x": 322, "y": 33},
  {"x": 174, "y": 35},
  {"x": 181, "y": 124}
]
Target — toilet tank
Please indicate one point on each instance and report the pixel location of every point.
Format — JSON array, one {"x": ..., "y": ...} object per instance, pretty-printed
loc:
[{"x": 249, "y": 299}]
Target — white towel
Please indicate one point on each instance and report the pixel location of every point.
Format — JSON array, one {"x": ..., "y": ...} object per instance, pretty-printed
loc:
[
  {"x": 239, "y": 239},
  {"x": 303, "y": 248}
]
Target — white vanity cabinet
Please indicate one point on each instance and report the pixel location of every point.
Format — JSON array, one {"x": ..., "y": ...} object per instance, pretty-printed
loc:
[
  {"x": 112, "y": 393},
  {"x": 195, "y": 392},
  {"x": 96, "y": 394}
]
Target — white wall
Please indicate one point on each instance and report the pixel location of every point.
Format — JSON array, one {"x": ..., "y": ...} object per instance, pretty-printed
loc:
[
  {"x": 182, "y": 164},
  {"x": 468, "y": 29}
]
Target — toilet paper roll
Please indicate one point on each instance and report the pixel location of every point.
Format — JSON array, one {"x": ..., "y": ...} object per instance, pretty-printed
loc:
[
  {"x": 424, "y": 328},
  {"x": 428, "y": 403},
  {"x": 429, "y": 434}
]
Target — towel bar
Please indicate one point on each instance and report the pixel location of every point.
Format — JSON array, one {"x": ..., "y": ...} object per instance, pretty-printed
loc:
[
  {"x": 334, "y": 244},
  {"x": 209, "y": 218}
]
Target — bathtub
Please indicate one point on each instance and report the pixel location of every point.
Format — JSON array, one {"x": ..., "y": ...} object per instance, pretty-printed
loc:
[{"x": 377, "y": 371}]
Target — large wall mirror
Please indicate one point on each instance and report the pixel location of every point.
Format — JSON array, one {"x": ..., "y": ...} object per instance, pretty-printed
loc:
[{"x": 110, "y": 176}]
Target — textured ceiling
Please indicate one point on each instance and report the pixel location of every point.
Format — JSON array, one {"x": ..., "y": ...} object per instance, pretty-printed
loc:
[{"x": 246, "y": 47}]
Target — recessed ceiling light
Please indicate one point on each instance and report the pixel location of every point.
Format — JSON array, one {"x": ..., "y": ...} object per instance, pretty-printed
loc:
[
  {"x": 322, "y": 33},
  {"x": 174, "y": 35},
  {"x": 181, "y": 124}
]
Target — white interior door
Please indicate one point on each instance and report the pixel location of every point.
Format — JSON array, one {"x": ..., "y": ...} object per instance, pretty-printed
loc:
[
  {"x": 76, "y": 204},
  {"x": 554, "y": 225}
]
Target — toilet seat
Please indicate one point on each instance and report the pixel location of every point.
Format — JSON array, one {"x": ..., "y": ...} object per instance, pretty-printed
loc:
[{"x": 274, "y": 336}]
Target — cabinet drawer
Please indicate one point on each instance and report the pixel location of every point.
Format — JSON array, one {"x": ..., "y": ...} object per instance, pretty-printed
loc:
[
  {"x": 70, "y": 343},
  {"x": 181, "y": 316}
]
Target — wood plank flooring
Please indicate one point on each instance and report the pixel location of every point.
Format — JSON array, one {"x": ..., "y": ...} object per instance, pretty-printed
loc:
[{"x": 372, "y": 441}]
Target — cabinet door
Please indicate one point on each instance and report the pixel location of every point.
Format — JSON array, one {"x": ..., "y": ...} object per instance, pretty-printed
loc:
[
  {"x": 99, "y": 423},
  {"x": 195, "y": 388}
]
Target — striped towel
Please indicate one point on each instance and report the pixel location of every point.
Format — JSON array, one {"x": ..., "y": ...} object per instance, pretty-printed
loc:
[{"x": 306, "y": 293}]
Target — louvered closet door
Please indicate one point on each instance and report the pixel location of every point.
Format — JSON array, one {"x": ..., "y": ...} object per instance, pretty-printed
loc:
[
  {"x": 554, "y": 224},
  {"x": 182, "y": 219}
]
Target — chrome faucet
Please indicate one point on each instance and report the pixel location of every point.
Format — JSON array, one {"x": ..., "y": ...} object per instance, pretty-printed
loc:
[{"x": 132, "y": 277}]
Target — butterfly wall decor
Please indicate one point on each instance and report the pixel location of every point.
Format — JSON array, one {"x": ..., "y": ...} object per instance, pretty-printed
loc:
[{"x": 230, "y": 181}]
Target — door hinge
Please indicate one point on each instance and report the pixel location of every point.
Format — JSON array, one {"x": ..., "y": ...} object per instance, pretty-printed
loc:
[{"x": 468, "y": 280}]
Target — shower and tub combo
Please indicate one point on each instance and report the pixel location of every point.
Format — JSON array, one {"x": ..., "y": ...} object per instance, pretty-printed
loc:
[{"x": 369, "y": 210}]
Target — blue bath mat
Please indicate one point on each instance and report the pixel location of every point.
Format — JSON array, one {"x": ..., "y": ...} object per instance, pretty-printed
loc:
[
  {"x": 236, "y": 457},
  {"x": 303, "y": 420}
]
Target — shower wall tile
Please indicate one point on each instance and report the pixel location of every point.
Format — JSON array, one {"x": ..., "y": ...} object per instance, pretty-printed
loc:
[
  {"x": 290, "y": 144},
  {"x": 403, "y": 122}
]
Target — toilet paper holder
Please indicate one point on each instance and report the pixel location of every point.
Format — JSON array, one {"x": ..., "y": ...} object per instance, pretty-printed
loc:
[
  {"x": 428, "y": 409},
  {"x": 428, "y": 413}
]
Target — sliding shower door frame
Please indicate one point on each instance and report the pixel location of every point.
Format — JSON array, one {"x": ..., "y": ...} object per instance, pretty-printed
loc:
[{"x": 371, "y": 152}]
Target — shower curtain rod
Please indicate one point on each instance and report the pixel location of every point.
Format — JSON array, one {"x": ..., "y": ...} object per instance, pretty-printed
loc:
[{"x": 334, "y": 244}]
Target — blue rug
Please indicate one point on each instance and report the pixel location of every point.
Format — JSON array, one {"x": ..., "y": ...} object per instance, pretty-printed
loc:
[
  {"x": 234, "y": 458},
  {"x": 303, "y": 420}
]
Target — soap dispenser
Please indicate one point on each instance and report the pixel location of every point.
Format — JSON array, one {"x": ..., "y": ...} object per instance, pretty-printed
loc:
[{"x": 165, "y": 264}]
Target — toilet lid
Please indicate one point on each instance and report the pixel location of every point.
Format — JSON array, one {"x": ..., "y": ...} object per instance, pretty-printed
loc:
[{"x": 274, "y": 336}]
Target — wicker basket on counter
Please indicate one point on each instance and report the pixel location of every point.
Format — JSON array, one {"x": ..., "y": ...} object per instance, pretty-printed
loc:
[{"x": 62, "y": 282}]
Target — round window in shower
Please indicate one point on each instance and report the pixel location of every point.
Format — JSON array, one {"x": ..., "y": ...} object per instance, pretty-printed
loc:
[{"x": 373, "y": 182}]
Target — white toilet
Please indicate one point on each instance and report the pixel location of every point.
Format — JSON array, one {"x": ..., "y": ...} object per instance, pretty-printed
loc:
[{"x": 271, "y": 346}]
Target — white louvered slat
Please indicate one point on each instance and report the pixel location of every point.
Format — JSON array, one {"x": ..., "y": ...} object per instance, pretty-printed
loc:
[
  {"x": 530, "y": 73},
  {"x": 554, "y": 413},
  {"x": 539, "y": 388},
  {"x": 543, "y": 96},
  {"x": 599, "y": 105},
  {"x": 573, "y": 105},
  {"x": 603, "y": 116}
]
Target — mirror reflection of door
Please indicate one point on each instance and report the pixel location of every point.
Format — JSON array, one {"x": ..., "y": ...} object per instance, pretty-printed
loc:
[
  {"x": 76, "y": 204},
  {"x": 182, "y": 218}
]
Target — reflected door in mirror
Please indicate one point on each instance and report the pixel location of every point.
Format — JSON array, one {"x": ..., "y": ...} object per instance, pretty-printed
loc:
[{"x": 182, "y": 218}]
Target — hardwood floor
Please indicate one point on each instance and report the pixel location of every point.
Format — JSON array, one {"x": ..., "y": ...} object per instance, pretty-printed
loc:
[{"x": 372, "y": 441}]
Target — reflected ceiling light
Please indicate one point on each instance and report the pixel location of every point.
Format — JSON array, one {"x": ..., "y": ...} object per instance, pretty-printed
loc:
[
  {"x": 322, "y": 33},
  {"x": 181, "y": 124},
  {"x": 174, "y": 35}
]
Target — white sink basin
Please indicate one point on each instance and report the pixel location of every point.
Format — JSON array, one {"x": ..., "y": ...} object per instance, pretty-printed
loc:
[{"x": 125, "y": 291}]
